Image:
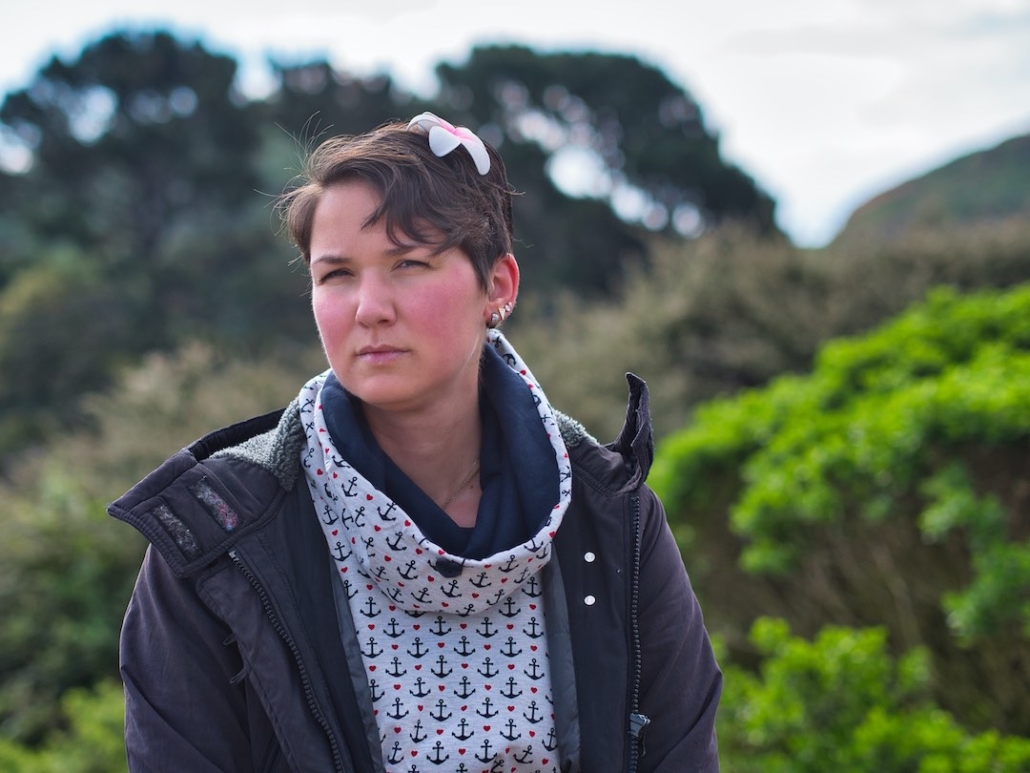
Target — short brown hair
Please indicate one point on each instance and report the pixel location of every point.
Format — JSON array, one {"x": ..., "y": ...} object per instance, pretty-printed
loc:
[{"x": 443, "y": 202}]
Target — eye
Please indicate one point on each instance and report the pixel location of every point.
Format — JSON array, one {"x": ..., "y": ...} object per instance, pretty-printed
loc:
[
  {"x": 412, "y": 263},
  {"x": 328, "y": 276}
]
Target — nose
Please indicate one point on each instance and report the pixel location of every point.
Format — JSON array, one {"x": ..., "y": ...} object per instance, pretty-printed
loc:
[{"x": 375, "y": 301}]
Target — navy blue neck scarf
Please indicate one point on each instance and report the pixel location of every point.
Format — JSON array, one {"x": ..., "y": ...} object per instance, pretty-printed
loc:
[{"x": 518, "y": 472}]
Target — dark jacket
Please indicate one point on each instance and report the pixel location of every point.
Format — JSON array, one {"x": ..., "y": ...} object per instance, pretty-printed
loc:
[{"x": 231, "y": 625}]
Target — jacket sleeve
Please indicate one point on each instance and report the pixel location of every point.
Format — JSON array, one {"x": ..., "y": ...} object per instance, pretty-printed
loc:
[
  {"x": 182, "y": 710},
  {"x": 680, "y": 681}
]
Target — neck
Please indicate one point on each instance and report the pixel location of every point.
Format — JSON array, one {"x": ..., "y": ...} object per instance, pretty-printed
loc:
[{"x": 436, "y": 451}]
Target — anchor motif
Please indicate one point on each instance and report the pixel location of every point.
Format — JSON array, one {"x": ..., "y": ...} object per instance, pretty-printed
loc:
[
  {"x": 534, "y": 631},
  {"x": 451, "y": 590},
  {"x": 438, "y": 748},
  {"x": 468, "y": 610},
  {"x": 508, "y": 604},
  {"x": 462, "y": 726},
  {"x": 328, "y": 516},
  {"x": 439, "y": 670},
  {"x": 398, "y": 704},
  {"x": 372, "y": 649},
  {"x": 396, "y": 663},
  {"x": 339, "y": 555},
  {"x": 373, "y": 688},
  {"x": 419, "y": 652},
  {"x": 417, "y": 737},
  {"x": 511, "y": 735},
  {"x": 420, "y": 683},
  {"x": 409, "y": 571},
  {"x": 511, "y": 689},
  {"x": 487, "y": 756},
  {"x": 485, "y": 631},
  {"x": 359, "y": 516},
  {"x": 527, "y": 756},
  {"x": 464, "y": 651},
  {"x": 440, "y": 716},
  {"x": 422, "y": 596},
  {"x": 510, "y": 565},
  {"x": 532, "y": 587},
  {"x": 534, "y": 671},
  {"x": 395, "y": 754},
  {"x": 391, "y": 629},
  {"x": 465, "y": 693},
  {"x": 396, "y": 545},
  {"x": 372, "y": 610},
  {"x": 486, "y": 713},
  {"x": 348, "y": 489},
  {"x": 385, "y": 514},
  {"x": 349, "y": 590},
  {"x": 510, "y": 650},
  {"x": 481, "y": 581},
  {"x": 488, "y": 673},
  {"x": 439, "y": 630},
  {"x": 531, "y": 716},
  {"x": 496, "y": 599},
  {"x": 551, "y": 742}
]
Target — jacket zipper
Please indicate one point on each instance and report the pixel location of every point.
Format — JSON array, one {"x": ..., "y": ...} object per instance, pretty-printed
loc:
[
  {"x": 285, "y": 635},
  {"x": 637, "y": 721}
]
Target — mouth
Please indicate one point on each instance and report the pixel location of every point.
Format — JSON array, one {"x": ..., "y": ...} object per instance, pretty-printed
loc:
[
  {"x": 379, "y": 354},
  {"x": 378, "y": 349}
]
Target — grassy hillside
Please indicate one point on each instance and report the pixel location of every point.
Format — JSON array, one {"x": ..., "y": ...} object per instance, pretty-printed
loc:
[{"x": 988, "y": 185}]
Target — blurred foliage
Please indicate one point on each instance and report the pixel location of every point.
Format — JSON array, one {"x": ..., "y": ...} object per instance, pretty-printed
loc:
[
  {"x": 66, "y": 567},
  {"x": 729, "y": 311},
  {"x": 90, "y": 740},
  {"x": 843, "y": 702},
  {"x": 886, "y": 487}
]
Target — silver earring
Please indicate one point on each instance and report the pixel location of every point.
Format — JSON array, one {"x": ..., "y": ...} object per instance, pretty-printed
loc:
[
  {"x": 509, "y": 307},
  {"x": 494, "y": 321}
]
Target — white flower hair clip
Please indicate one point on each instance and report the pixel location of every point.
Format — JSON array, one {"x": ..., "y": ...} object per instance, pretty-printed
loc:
[{"x": 445, "y": 137}]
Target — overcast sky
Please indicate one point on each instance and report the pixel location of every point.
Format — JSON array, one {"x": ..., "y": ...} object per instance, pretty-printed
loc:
[{"x": 824, "y": 102}]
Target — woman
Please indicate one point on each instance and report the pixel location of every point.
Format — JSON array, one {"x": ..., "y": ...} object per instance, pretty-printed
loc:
[{"x": 418, "y": 565}]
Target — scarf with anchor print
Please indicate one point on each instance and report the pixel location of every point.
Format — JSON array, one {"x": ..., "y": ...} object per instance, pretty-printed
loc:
[{"x": 453, "y": 648}]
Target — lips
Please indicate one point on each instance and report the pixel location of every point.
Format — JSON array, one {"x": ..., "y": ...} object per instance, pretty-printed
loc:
[
  {"x": 379, "y": 354},
  {"x": 378, "y": 349}
]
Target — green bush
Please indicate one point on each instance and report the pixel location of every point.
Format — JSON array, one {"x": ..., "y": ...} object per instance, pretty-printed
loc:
[
  {"x": 91, "y": 743},
  {"x": 886, "y": 488},
  {"x": 842, "y": 702}
]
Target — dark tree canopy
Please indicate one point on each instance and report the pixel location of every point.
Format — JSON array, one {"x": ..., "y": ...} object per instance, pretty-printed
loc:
[{"x": 145, "y": 217}]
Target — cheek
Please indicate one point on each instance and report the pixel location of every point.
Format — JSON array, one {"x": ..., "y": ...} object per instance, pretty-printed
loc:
[{"x": 331, "y": 316}]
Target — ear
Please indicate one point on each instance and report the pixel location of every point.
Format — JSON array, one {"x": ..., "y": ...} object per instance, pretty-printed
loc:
[{"x": 502, "y": 283}]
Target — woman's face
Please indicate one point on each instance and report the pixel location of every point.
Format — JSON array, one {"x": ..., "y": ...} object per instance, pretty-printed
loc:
[{"x": 402, "y": 328}]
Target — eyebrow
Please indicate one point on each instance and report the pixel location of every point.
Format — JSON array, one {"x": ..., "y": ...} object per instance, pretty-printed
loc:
[{"x": 393, "y": 252}]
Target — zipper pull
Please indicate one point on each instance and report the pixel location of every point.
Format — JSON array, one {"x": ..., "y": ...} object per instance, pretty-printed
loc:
[{"x": 637, "y": 724}]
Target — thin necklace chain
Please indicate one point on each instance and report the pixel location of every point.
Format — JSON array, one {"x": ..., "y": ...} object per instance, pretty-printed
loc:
[{"x": 465, "y": 481}]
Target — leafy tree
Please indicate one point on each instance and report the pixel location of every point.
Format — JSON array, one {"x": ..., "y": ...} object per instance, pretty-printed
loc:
[
  {"x": 643, "y": 136},
  {"x": 138, "y": 219},
  {"x": 90, "y": 741},
  {"x": 843, "y": 702},
  {"x": 886, "y": 488}
]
